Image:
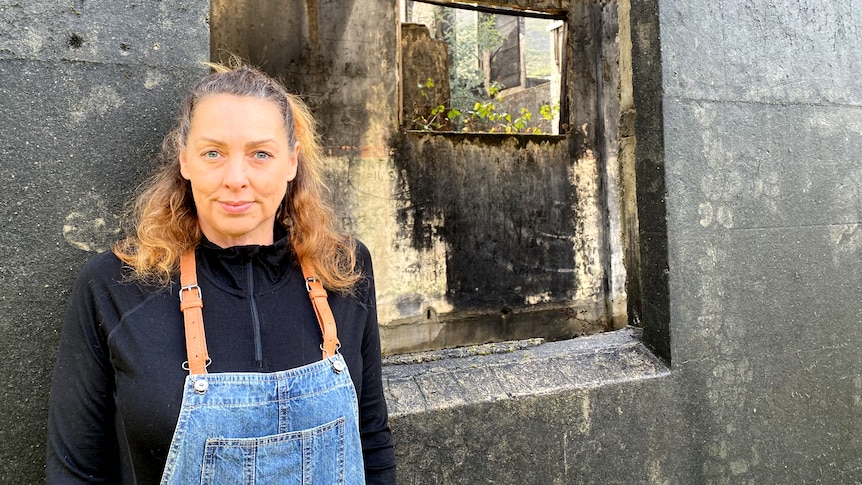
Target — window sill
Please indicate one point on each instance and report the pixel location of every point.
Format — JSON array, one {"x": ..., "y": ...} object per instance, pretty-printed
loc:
[
  {"x": 488, "y": 134},
  {"x": 451, "y": 378}
]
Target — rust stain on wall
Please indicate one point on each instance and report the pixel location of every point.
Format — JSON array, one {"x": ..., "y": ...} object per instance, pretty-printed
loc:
[
  {"x": 313, "y": 23},
  {"x": 364, "y": 151}
]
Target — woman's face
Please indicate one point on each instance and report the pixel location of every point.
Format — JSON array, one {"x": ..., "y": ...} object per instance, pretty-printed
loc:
[{"x": 238, "y": 159}]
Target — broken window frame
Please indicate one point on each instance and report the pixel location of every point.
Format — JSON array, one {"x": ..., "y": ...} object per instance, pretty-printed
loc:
[{"x": 437, "y": 104}]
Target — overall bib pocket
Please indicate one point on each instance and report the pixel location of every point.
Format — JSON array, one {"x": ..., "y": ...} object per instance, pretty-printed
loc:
[{"x": 308, "y": 457}]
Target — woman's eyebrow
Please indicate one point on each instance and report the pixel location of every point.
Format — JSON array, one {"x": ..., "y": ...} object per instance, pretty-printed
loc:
[
  {"x": 261, "y": 142},
  {"x": 208, "y": 141},
  {"x": 204, "y": 140}
]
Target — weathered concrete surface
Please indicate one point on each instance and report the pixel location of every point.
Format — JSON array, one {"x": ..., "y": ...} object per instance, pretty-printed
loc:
[
  {"x": 527, "y": 215},
  {"x": 423, "y": 59},
  {"x": 764, "y": 246},
  {"x": 647, "y": 285},
  {"x": 539, "y": 415},
  {"x": 440, "y": 216},
  {"x": 86, "y": 93},
  {"x": 750, "y": 242},
  {"x": 762, "y": 52},
  {"x": 761, "y": 144},
  {"x": 748, "y": 196},
  {"x": 443, "y": 379}
]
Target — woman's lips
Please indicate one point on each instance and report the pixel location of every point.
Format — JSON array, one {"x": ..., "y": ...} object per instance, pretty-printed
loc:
[{"x": 235, "y": 207}]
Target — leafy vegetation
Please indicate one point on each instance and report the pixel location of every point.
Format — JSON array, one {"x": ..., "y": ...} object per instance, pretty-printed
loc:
[
  {"x": 484, "y": 116},
  {"x": 473, "y": 103}
]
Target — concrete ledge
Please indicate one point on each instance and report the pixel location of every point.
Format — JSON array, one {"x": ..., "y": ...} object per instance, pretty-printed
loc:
[
  {"x": 427, "y": 381},
  {"x": 533, "y": 412}
]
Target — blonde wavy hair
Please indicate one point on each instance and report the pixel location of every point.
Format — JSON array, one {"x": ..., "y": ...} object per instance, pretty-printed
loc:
[{"x": 162, "y": 221}]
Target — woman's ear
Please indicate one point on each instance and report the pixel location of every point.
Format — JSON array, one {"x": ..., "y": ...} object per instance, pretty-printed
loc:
[
  {"x": 293, "y": 162},
  {"x": 183, "y": 165}
]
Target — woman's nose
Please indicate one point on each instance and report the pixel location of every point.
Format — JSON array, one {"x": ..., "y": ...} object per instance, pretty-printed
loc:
[{"x": 236, "y": 172}]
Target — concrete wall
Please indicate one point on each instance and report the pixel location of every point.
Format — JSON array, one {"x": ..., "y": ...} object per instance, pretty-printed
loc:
[
  {"x": 748, "y": 198},
  {"x": 515, "y": 207},
  {"x": 743, "y": 274},
  {"x": 422, "y": 59},
  {"x": 749, "y": 205},
  {"x": 761, "y": 110},
  {"x": 87, "y": 90},
  {"x": 441, "y": 215}
]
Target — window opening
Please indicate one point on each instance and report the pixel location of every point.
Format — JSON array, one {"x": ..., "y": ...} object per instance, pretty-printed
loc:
[{"x": 471, "y": 68}]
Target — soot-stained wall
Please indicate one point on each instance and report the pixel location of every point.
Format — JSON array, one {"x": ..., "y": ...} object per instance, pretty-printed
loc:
[
  {"x": 507, "y": 210},
  {"x": 748, "y": 198},
  {"x": 503, "y": 206},
  {"x": 474, "y": 238},
  {"x": 518, "y": 221}
]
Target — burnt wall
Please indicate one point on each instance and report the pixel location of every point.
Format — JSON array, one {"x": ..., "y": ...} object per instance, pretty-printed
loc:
[
  {"x": 503, "y": 205},
  {"x": 746, "y": 279},
  {"x": 474, "y": 238},
  {"x": 517, "y": 217}
]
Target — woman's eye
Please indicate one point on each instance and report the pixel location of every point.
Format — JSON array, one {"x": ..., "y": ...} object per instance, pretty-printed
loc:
[
  {"x": 261, "y": 155},
  {"x": 211, "y": 154}
]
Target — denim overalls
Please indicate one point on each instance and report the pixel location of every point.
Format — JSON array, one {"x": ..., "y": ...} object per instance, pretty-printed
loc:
[{"x": 297, "y": 426}]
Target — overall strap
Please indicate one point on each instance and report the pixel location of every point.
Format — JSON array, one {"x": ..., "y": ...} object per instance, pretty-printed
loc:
[
  {"x": 191, "y": 304},
  {"x": 321, "y": 309}
]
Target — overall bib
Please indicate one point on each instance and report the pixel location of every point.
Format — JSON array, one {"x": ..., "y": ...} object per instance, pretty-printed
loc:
[{"x": 297, "y": 426}]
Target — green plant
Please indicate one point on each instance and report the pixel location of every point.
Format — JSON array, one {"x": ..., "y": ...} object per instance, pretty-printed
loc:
[
  {"x": 430, "y": 116},
  {"x": 484, "y": 116}
]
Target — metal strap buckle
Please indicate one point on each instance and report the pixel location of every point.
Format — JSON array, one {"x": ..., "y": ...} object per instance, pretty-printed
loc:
[
  {"x": 186, "y": 364},
  {"x": 190, "y": 288},
  {"x": 337, "y": 349},
  {"x": 308, "y": 281}
]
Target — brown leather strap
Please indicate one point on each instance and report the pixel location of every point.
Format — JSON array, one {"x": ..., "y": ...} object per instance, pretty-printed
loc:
[
  {"x": 321, "y": 308},
  {"x": 191, "y": 304}
]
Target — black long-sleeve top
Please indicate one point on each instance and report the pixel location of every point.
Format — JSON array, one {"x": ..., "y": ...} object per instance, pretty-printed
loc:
[{"x": 118, "y": 379}]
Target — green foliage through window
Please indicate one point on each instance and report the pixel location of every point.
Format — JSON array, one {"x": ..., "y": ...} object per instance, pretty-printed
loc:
[
  {"x": 480, "y": 47},
  {"x": 485, "y": 116}
]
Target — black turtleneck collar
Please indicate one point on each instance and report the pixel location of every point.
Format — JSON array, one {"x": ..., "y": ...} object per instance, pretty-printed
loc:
[{"x": 229, "y": 267}]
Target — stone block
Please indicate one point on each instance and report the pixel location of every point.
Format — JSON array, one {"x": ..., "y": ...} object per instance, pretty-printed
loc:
[{"x": 775, "y": 52}]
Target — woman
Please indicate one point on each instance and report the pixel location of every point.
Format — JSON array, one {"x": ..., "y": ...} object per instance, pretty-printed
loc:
[{"x": 262, "y": 390}]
